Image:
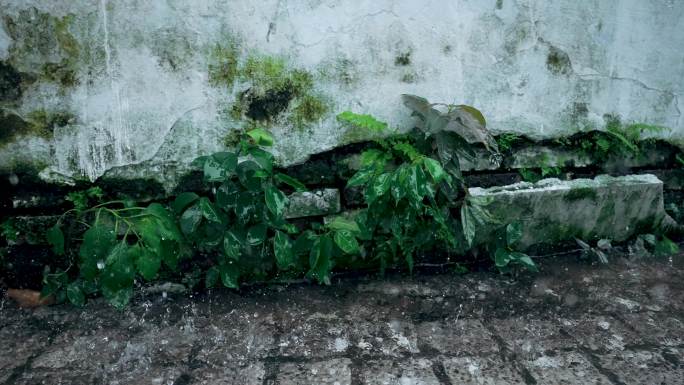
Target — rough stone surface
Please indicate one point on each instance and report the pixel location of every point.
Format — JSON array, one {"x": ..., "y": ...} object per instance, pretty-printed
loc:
[
  {"x": 313, "y": 203},
  {"x": 552, "y": 210},
  {"x": 433, "y": 329},
  {"x": 151, "y": 85}
]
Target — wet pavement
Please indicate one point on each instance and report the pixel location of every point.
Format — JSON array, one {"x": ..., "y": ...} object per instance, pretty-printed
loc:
[{"x": 571, "y": 324}]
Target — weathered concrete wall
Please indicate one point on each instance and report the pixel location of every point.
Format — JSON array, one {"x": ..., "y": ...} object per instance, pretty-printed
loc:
[{"x": 89, "y": 86}]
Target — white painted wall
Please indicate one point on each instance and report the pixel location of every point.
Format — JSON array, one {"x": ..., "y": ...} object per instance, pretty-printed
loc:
[{"x": 626, "y": 58}]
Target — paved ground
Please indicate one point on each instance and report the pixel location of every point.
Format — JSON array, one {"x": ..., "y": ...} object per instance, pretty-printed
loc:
[{"x": 571, "y": 324}]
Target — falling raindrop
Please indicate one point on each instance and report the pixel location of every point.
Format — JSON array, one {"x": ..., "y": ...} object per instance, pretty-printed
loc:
[
  {"x": 13, "y": 179},
  {"x": 100, "y": 265}
]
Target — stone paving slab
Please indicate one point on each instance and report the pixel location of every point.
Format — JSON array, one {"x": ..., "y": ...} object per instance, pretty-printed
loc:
[{"x": 573, "y": 323}]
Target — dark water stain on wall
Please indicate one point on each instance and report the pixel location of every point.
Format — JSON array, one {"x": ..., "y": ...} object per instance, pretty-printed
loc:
[
  {"x": 558, "y": 62},
  {"x": 10, "y": 83}
]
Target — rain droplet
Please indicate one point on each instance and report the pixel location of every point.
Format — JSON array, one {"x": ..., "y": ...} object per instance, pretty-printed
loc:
[{"x": 100, "y": 265}]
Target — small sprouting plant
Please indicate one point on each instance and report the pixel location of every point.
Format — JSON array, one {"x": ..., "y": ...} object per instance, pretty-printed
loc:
[
  {"x": 506, "y": 258},
  {"x": 411, "y": 182},
  {"x": 598, "y": 252},
  {"x": 507, "y": 140},
  {"x": 83, "y": 199}
]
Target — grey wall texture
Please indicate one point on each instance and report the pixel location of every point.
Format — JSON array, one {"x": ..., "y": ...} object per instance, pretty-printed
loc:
[{"x": 135, "y": 88}]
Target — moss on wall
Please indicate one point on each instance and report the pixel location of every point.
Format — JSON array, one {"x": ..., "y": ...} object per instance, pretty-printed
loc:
[
  {"x": 270, "y": 90},
  {"x": 44, "y": 46}
]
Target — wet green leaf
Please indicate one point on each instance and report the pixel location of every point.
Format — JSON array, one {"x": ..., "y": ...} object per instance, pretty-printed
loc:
[
  {"x": 247, "y": 175},
  {"x": 209, "y": 211},
  {"x": 320, "y": 260},
  {"x": 97, "y": 242},
  {"x": 232, "y": 245},
  {"x": 191, "y": 219},
  {"x": 378, "y": 187},
  {"x": 275, "y": 200},
  {"x": 263, "y": 158},
  {"x": 183, "y": 200},
  {"x": 230, "y": 275},
  {"x": 514, "y": 232},
  {"x": 346, "y": 241},
  {"x": 227, "y": 195},
  {"x": 361, "y": 177},
  {"x": 147, "y": 262},
  {"x": 256, "y": 234},
  {"x": 282, "y": 248},
  {"x": 261, "y": 137},
  {"x": 339, "y": 223},
  {"x": 290, "y": 181},
  {"x": 435, "y": 169}
]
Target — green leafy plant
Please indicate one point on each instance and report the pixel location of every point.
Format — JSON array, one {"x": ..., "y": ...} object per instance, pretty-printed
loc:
[
  {"x": 598, "y": 253},
  {"x": 121, "y": 242},
  {"x": 412, "y": 183},
  {"x": 84, "y": 198},
  {"x": 506, "y": 258}
]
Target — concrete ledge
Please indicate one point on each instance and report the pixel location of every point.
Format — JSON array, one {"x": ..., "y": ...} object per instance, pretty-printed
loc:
[
  {"x": 313, "y": 203},
  {"x": 553, "y": 211}
]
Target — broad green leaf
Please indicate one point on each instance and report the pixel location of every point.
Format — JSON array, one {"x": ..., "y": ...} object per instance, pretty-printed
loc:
[
  {"x": 97, "y": 242},
  {"x": 232, "y": 245},
  {"x": 247, "y": 174},
  {"x": 183, "y": 200},
  {"x": 230, "y": 275},
  {"x": 290, "y": 181},
  {"x": 399, "y": 185},
  {"x": 55, "y": 238},
  {"x": 525, "y": 261},
  {"x": 212, "y": 277},
  {"x": 256, "y": 234},
  {"x": 502, "y": 257},
  {"x": 227, "y": 195},
  {"x": 168, "y": 225},
  {"x": 282, "y": 248},
  {"x": 340, "y": 223},
  {"x": 213, "y": 172},
  {"x": 361, "y": 177},
  {"x": 263, "y": 158},
  {"x": 346, "y": 241},
  {"x": 147, "y": 262},
  {"x": 320, "y": 260},
  {"x": 468, "y": 223},
  {"x": 191, "y": 219},
  {"x": 245, "y": 207},
  {"x": 435, "y": 169},
  {"x": 75, "y": 294},
  {"x": 378, "y": 187},
  {"x": 119, "y": 270},
  {"x": 227, "y": 161},
  {"x": 261, "y": 137},
  {"x": 275, "y": 200},
  {"x": 209, "y": 211},
  {"x": 514, "y": 232},
  {"x": 374, "y": 159}
]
